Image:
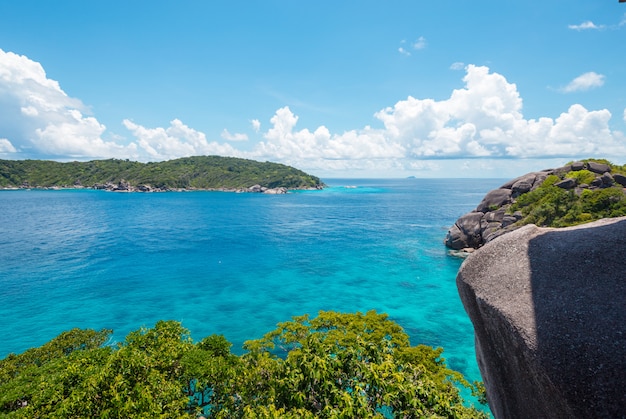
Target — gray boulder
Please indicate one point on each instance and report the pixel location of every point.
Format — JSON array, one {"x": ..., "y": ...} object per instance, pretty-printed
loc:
[
  {"x": 549, "y": 314},
  {"x": 495, "y": 199},
  {"x": 466, "y": 232},
  {"x": 621, "y": 179},
  {"x": 599, "y": 168},
  {"x": 568, "y": 183},
  {"x": 607, "y": 180}
]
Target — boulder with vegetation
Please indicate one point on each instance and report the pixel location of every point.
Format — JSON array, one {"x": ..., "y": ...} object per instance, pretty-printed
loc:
[
  {"x": 576, "y": 193},
  {"x": 333, "y": 365},
  {"x": 549, "y": 318},
  {"x": 190, "y": 173}
]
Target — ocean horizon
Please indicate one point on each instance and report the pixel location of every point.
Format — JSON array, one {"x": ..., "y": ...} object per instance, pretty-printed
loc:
[{"x": 235, "y": 264}]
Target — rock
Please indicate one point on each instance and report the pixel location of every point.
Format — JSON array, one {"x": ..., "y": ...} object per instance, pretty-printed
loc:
[
  {"x": 494, "y": 199},
  {"x": 466, "y": 232},
  {"x": 569, "y": 183},
  {"x": 500, "y": 200},
  {"x": 550, "y": 321},
  {"x": 520, "y": 187},
  {"x": 621, "y": 179},
  {"x": 596, "y": 183},
  {"x": 507, "y": 220},
  {"x": 607, "y": 180},
  {"x": 275, "y": 191},
  {"x": 598, "y": 168}
]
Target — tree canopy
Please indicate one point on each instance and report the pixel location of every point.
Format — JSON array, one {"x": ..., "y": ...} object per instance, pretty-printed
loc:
[
  {"x": 333, "y": 365},
  {"x": 200, "y": 172}
]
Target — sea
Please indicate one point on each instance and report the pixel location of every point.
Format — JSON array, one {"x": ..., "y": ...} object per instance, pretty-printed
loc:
[{"x": 235, "y": 264}]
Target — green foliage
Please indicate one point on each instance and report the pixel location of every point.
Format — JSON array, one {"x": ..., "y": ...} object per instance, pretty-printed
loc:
[
  {"x": 334, "y": 365},
  {"x": 551, "y": 206},
  {"x": 581, "y": 176},
  {"x": 201, "y": 172}
]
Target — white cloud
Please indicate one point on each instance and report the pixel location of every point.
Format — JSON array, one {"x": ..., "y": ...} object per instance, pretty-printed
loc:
[
  {"x": 457, "y": 66},
  {"x": 178, "y": 140},
  {"x": 481, "y": 120},
  {"x": 585, "y": 26},
  {"x": 6, "y": 146},
  {"x": 420, "y": 43},
  {"x": 585, "y": 81},
  {"x": 37, "y": 116},
  {"x": 233, "y": 137}
]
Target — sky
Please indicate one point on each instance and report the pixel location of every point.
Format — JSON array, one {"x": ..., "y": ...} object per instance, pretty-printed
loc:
[{"x": 339, "y": 89}]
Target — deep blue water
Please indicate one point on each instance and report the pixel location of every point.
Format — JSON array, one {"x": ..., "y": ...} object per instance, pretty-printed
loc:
[{"x": 235, "y": 264}]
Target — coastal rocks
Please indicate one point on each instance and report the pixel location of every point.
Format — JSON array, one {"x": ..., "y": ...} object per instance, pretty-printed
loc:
[
  {"x": 492, "y": 217},
  {"x": 263, "y": 189},
  {"x": 550, "y": 325},
  {"x": 123, "y": 186},
  {"x": 495, "y": 199}
]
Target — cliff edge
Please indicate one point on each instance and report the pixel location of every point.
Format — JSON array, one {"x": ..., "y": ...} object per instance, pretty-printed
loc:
[{"x": 549, "y": 314}]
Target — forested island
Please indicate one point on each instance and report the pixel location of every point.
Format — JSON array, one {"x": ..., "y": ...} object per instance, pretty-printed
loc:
[{"x": 189, "y": 173}]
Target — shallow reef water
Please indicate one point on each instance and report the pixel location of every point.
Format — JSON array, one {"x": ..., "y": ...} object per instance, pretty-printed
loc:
[{"x": 235, "y": 264}]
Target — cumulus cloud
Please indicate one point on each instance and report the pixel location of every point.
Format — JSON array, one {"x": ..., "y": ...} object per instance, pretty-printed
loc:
[
  {"x": 585, "y": 81},
  {"x": 233, "y": 137},
  {"x": 6, "y": 146},
  {"x": 481, "y": 120},
  {"x": 38, "y": 117},
  {"x": 585, "y": 26},
  {"x": 178, "y": 140}
]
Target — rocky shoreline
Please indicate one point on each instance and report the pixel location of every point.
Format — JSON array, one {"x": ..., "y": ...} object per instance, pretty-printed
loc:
[
  {"x": 492, "y": 217},
  {"x": 124, "y": 186}
]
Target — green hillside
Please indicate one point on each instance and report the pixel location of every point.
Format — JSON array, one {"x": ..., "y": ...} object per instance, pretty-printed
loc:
[{"x": 201, "y": 172}]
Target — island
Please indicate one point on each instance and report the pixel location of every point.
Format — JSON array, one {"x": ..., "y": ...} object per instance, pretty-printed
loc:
[{"x": 214, "y": 173}]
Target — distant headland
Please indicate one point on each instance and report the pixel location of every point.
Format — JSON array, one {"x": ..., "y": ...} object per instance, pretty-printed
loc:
[{"x": 212, "y": 173}]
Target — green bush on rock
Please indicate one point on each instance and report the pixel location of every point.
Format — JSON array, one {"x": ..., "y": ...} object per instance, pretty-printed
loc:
[
  {"x": 334, "y": 365},
  {"x": 551, "y": 206}
]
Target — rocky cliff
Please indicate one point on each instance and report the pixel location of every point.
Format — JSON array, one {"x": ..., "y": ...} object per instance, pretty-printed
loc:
[
  {"x": 494, "y": 217},
  {"x": 549, "y": 313}
]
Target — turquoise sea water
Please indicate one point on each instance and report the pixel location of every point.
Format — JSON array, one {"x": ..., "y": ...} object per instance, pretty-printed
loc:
[{"x": 235, "y": 264}]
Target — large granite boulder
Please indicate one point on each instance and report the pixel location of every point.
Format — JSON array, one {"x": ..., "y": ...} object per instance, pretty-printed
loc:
[{"x": 549, "y": 314}]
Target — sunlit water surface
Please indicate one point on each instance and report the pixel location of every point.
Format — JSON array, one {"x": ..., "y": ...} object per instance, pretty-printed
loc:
[{"x": 235, "y": 264}]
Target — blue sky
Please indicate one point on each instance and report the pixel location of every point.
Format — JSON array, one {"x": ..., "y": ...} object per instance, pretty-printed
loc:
[{"x": 339, "y": 89}]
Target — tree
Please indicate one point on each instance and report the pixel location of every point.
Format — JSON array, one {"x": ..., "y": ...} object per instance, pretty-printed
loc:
[{"x": 334, "y": 365}]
